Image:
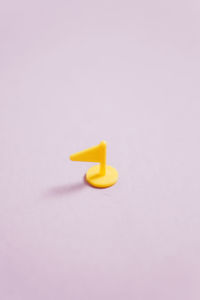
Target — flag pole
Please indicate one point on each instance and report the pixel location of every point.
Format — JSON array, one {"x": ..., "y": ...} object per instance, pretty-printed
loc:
[{"x": 103, "y": 162}]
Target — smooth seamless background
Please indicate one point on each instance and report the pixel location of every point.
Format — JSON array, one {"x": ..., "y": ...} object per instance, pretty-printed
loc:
[{"x": 71, "y": 74}]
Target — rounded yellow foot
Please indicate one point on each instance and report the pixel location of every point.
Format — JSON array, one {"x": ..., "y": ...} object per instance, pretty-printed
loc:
[{"x": 94, "y": 177}]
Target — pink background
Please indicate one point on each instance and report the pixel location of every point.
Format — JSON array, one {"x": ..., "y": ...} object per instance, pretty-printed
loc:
[{"x": 71, "y": 74}]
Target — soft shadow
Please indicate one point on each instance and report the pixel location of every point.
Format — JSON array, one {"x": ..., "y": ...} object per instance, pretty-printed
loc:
[
  {"x": 87, "y": 183},
  {"x": 66, "y": 189}
]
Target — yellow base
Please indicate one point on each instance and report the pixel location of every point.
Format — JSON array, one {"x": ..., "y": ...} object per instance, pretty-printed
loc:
[{"x": 94, "y": 177}]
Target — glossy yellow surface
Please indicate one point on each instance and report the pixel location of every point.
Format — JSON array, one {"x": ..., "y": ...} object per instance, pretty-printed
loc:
[
  {"x": 95, "y": 178},
  {"x": 101, "y": 175}
]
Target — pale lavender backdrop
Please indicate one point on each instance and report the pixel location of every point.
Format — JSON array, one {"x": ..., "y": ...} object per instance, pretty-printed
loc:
[{"x": 71, "y": 74}]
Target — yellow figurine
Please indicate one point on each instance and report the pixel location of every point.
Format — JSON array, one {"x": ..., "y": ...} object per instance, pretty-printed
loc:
[{"x": 101, "y": 175}]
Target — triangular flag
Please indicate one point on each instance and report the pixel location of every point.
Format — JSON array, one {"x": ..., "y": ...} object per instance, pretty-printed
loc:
[
  {"x": 93, "y": 154},
  {"x": 101, "y": 175}
]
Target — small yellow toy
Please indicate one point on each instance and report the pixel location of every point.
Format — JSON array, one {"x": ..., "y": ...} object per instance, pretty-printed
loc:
[{"x": 101, "y": 175}]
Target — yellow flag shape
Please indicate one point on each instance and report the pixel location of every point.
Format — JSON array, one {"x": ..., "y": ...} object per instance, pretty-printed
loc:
[
  {"x": 101, "y": 175},
  {"x": 93, "y": 154}
]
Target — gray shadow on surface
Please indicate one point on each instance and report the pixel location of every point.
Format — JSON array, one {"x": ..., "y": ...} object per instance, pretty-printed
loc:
[{"x": 66, "y": 189}]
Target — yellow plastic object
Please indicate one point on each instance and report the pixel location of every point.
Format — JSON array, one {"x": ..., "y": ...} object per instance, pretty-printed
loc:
[{"x": 101, "y": 175}]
